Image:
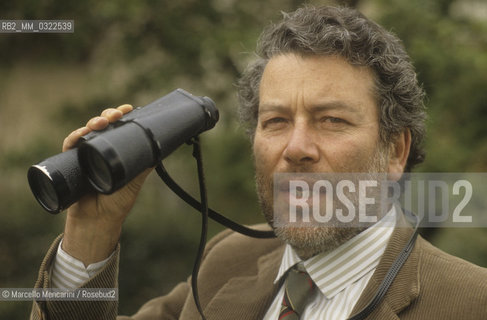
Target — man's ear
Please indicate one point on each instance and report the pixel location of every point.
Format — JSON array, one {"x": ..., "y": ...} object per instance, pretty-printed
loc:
[{"x": 399, "y": 152}]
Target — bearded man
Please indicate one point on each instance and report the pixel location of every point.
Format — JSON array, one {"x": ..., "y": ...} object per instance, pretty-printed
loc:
[{"x": 330, "y": 92}]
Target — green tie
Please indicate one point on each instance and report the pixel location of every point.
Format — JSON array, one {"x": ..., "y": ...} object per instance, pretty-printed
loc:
[{"x": 298, "y": 289}]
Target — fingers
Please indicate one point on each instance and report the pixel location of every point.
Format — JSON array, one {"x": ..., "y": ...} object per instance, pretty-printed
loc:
[
  {"x": 73, "y": 138},
  {"x": 125, "y": 108},
  {"x": 109, "y": 115},
  {"x": 97, "y": 123}
]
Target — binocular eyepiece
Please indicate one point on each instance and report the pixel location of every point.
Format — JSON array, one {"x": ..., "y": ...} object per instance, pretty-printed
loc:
[{"x": 106, "y": 160}]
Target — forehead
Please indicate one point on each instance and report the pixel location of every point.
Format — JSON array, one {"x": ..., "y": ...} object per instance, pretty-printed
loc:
[{"x": 291, "y": 79}]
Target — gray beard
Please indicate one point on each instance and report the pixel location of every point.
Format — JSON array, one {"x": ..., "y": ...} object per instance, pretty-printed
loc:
[{"x": 309, "y": 241}]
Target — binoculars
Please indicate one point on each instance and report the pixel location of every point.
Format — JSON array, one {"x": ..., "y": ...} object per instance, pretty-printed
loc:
[{"x": 106, "y": 160}]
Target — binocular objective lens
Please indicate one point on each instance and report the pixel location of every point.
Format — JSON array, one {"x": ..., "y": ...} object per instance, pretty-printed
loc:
[{"x": 45, "y": 192}]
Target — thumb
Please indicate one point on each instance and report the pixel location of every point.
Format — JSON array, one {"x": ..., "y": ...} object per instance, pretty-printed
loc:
[
  {"x": 136, "y": 184},
  {"x": 128, "y": 194}
]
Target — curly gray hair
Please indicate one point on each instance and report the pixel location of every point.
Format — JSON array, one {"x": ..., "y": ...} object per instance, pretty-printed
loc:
[{"x": 347, "y": 33}]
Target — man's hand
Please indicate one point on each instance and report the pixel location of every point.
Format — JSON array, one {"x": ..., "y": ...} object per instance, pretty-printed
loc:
[{"x": 94, "y": 223}]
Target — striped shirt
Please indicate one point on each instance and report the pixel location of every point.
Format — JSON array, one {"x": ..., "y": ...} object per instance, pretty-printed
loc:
[
  {"x": 340, "y": 275},
  {"x": 70, "y": 273}
]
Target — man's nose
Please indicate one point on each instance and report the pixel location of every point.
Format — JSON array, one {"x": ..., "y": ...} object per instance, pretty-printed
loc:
[{"x": 302, "y": 146}]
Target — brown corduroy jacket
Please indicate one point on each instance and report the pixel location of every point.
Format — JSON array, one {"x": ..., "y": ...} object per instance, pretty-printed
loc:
[{"x": 236, "y": 282}]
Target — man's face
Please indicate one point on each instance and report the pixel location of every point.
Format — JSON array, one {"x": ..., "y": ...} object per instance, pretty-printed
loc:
[{"x": 317, "y": 114}]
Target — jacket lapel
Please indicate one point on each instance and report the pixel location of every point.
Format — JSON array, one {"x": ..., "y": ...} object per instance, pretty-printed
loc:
[
  {"x": 405, "y": 287},
  {"x": 248, "y": 297}
]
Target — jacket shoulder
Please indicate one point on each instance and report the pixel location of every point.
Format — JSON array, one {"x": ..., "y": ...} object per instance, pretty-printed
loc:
[
  {"x": 450, "y": 287},
  {"x": 451, "y": 268}
]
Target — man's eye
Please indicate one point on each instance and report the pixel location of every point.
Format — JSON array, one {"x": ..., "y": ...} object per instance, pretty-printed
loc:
[
  {"x": 333, "y": 120},
  {"x": 273, "y": 122},
  {"x": 276, "y": 120}
]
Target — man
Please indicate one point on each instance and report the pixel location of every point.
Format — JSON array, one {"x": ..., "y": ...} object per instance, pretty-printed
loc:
[{"x": 330, "y": 92}]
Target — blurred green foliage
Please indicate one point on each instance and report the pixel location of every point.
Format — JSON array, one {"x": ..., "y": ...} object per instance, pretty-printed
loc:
[{"x": 136, "y": 51}]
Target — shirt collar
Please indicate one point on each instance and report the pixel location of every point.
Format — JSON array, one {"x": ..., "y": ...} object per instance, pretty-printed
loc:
[{"x": 334, "y": 271}]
